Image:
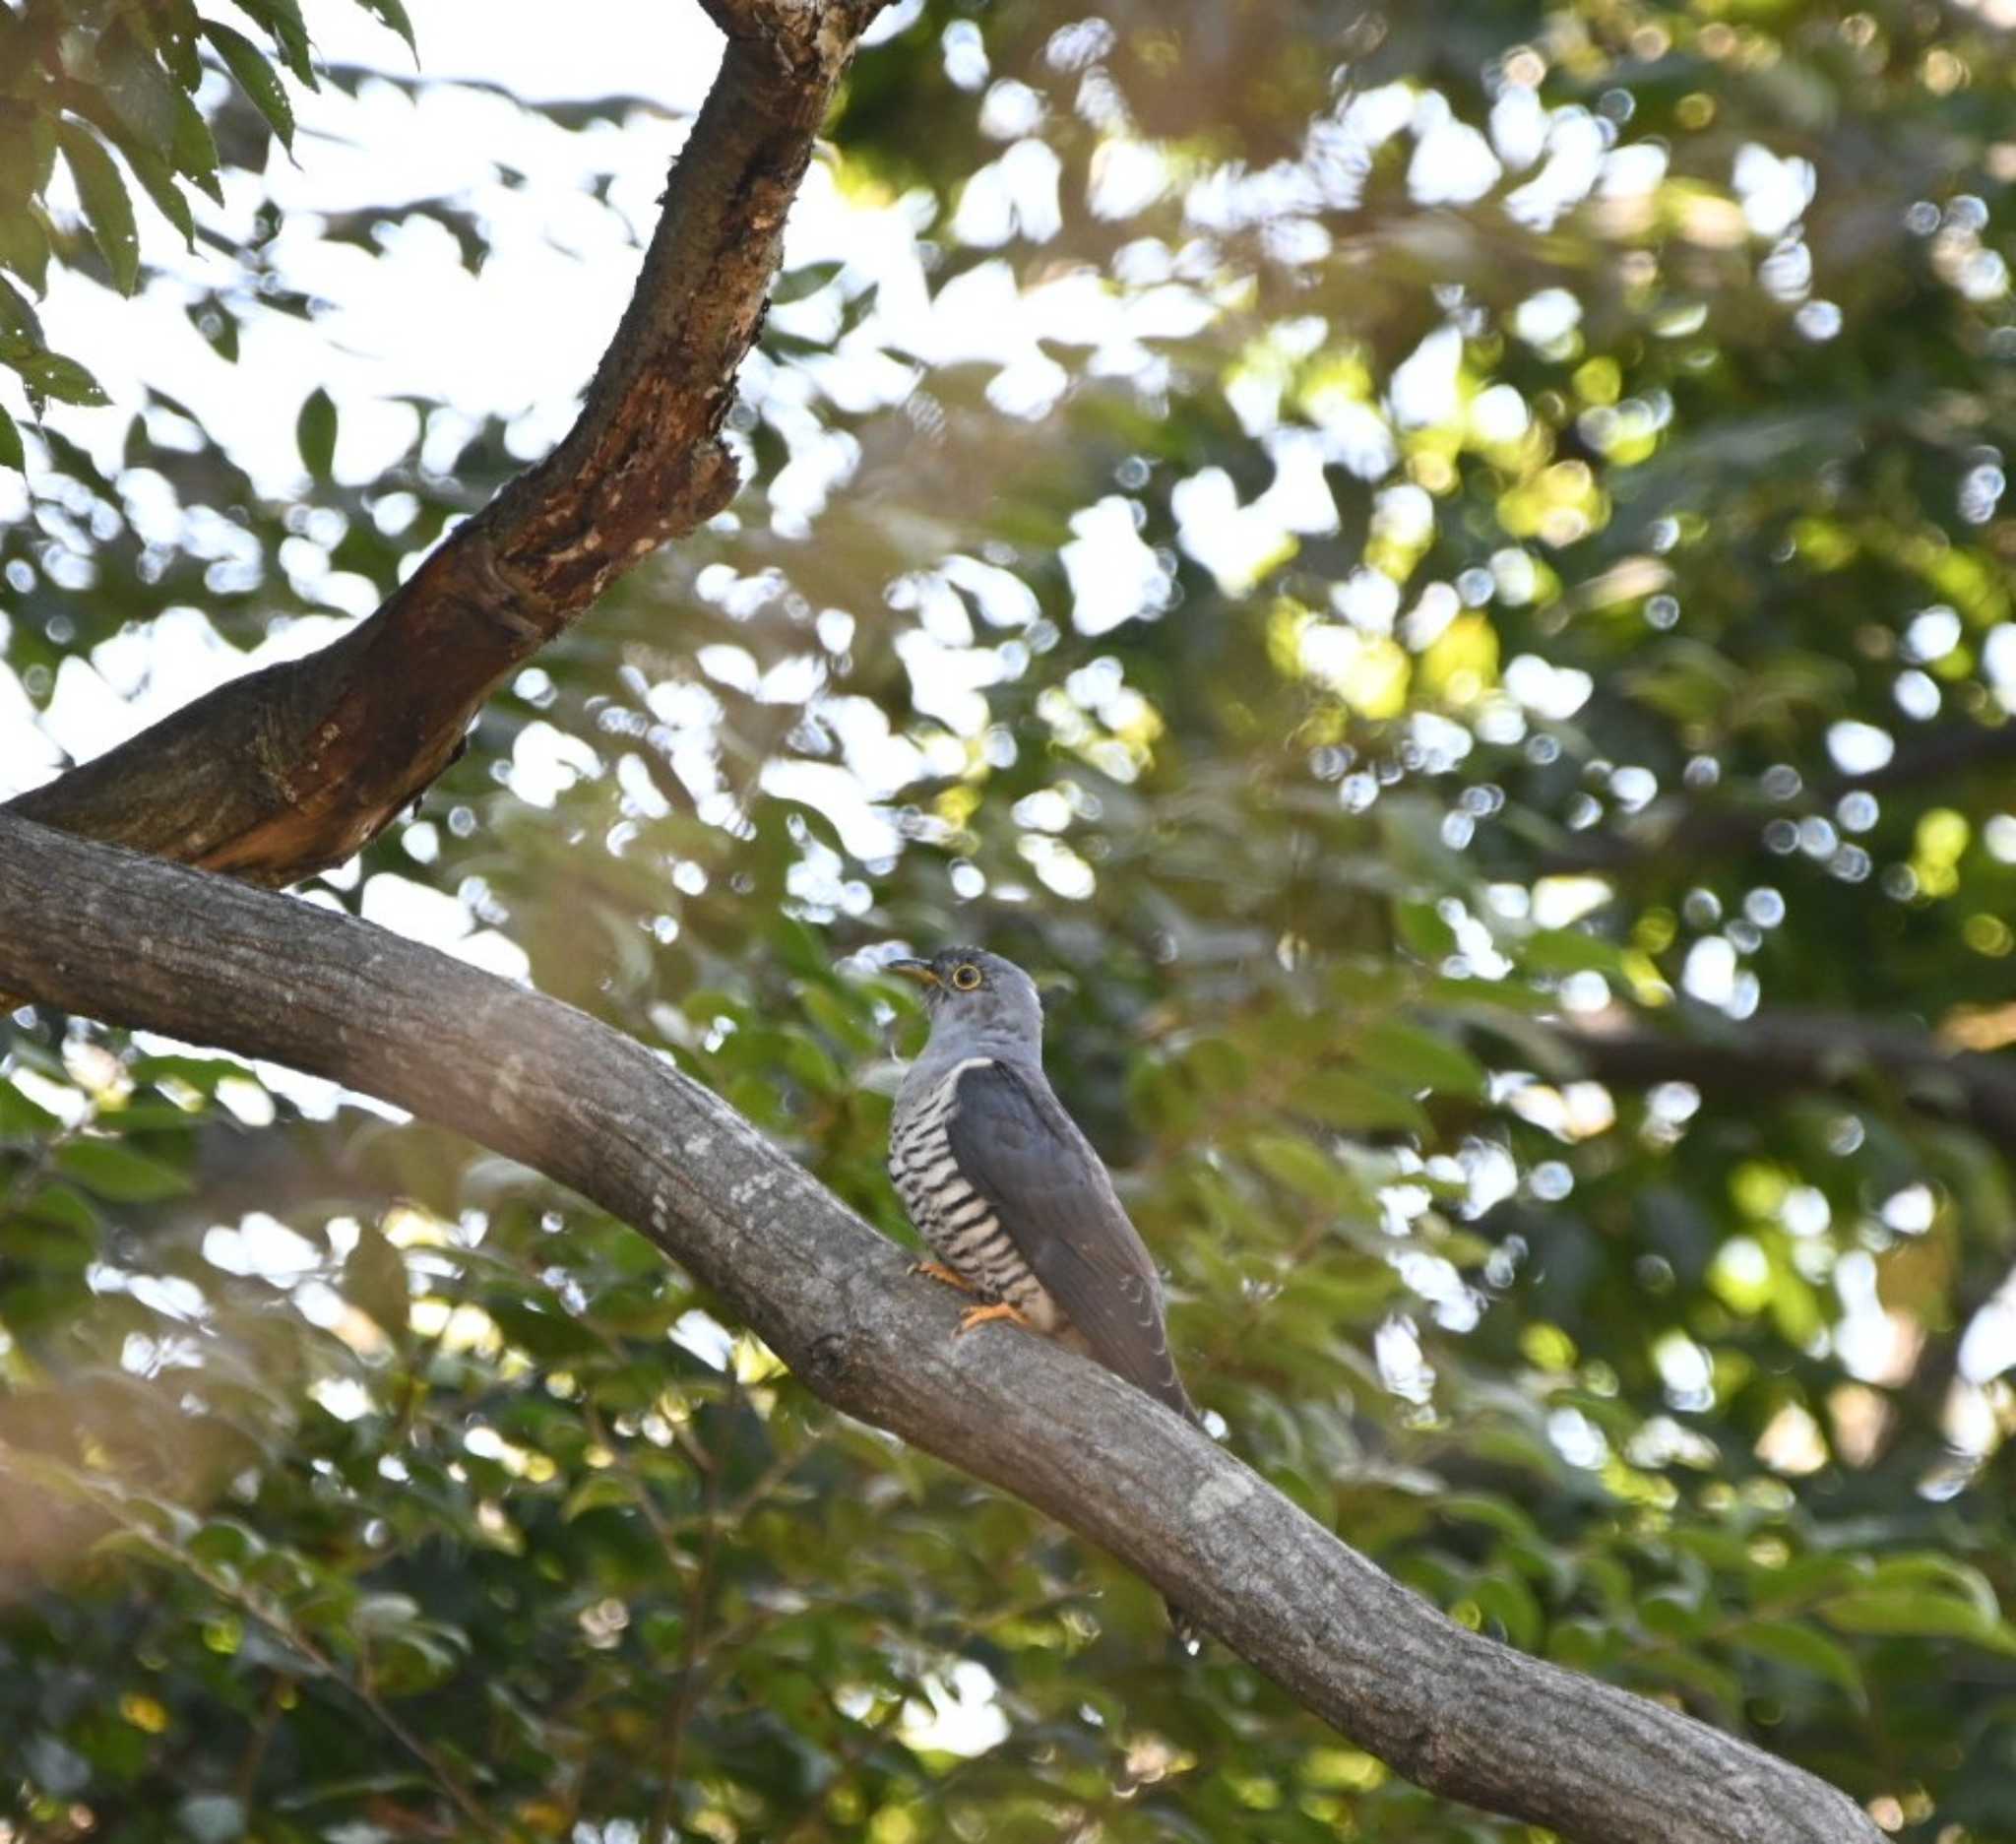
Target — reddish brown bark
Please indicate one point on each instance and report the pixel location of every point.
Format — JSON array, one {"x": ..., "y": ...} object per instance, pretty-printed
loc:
[{"x": 295, "y": 767}]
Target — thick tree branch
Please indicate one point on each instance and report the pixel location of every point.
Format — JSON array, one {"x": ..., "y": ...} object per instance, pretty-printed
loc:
[
  {"x": 295, "y": 767},
  {"x": 1765, "y": 1058},
  {"x": 141, "y": 942}
]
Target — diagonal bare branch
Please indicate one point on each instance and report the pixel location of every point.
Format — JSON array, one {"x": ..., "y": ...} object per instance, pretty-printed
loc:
[
  {"x": 142, "y": 943},
  {"x": 295, "y": 767}
]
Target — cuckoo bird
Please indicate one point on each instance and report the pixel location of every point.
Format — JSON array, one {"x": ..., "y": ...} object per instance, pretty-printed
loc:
[{"x": 1007, "y": 1192}]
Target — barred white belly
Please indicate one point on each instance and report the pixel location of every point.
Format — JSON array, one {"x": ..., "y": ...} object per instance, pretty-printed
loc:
[{"x": 958, "y": 1223}]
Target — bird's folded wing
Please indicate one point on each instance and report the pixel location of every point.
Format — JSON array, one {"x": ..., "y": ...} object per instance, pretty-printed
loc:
[{"x": 1013, "y": 1142}]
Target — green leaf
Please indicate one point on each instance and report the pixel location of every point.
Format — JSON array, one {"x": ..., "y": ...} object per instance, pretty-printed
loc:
[
  {"x": 1806, "y": 1577},
  {"x": 1785, "y": 1642},
  {"x": 843, "y": 1022},
  {"x": 1405, "y": 1053},
  {"x": 155, "y": 114},
  {"x": 283, "y": 19},
  {"x": 1297, "y": 1164},
  {"x": 1930, "y": 1571},
  {"x": 813, "y": 1064},
  {"x": 1357, "y": 1297},
  {"x": 1915, "y": 1614},
  {"x": 1340, "y": 1099},
  {"x": 315, "y": 433},
  {"x": 225, "y": 1539},
  {"x": 201, "y": 1073},
  {"x": 547, "y": 1334},
  {"x": 119, "y": 1175},
  {"x": 19, "y": 1114},
  {"x": 28, "y": 156},
  {"x": 46, "y": 1249},
  {"x": 598, "y": 1493},
  {"x": 220, "y": 326},
  {"x": 64, "y": 1205},
  {"x": 374, "y": 1278},
  {"x": 1671, "y": 1612},
  {"x": 106, "y": 208},
  {"x": 1513, "y": 1605},
  {"x": 138, "y": 92},
  {"x": 24, "y": 245},
  {"x": 12, "y": 454},
  {"x": 193, "y": 153},
  {"x": 1499, "y": 1514},
  {"x": 142, "y": 159},
  {"x": 416, "y": 1659},
  {"x": 256, "y": 76},
  {"x": 393, "y": 13},
  {"x": 1569, "y": 951},
  {"x": 50, "y": 375},
  {"x": 168, "y": 28},
  {"x": 158, "y": 180},
  {"x": 798, "y": 284},
  {"x": 16, "y": 318},
  {"x": 1422, "y": 931}
]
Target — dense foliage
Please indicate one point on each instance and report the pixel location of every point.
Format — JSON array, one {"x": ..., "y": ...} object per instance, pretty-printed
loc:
[{"x": 1416, "y": 549}]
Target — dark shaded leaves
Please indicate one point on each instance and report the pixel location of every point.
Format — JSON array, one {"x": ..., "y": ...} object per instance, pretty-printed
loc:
[{"x": 106, "y": 208}]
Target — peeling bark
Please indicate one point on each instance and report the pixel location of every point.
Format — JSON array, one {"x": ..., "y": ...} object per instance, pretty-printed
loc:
[
  {"x": 295, "y": 767},
  {"x": 140, "y": 943}
]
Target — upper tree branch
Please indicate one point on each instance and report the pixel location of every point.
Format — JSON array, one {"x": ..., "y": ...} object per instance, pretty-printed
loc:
[
  {"x": 146, "y": 943},
  {"x": 1681, "y": 832},
  {"x": 1762, "y": 1058},
  {"x": 295, "y": 767}
]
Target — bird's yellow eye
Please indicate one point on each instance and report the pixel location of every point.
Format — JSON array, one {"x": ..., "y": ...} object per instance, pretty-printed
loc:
[{"x": 966, "y": 975}]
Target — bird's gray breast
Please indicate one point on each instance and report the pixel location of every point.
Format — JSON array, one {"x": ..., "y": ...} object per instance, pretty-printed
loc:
[{"x": 961, "y": 1227}]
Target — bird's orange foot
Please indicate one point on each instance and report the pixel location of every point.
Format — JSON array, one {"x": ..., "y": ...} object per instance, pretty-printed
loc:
[
  {"x": 938, "y": 1271},
  {"x": 984, "y": 1315}
]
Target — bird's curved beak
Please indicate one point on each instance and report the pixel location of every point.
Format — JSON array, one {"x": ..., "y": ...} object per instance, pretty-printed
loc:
[{"x": 919, "y": 971}]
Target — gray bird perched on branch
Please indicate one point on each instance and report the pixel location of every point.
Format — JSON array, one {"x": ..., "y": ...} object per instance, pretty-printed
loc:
[{"x": 1008, "y": 1193}]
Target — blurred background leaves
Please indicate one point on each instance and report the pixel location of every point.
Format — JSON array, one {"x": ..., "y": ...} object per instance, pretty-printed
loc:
[{"x": 1377, "y": 553}]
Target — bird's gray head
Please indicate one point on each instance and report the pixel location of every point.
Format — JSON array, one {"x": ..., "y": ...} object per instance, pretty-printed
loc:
[{"x": 977, "y": 1001}]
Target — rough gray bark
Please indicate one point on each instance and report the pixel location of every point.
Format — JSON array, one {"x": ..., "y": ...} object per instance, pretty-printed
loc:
[{"x": 140, "y": 943}]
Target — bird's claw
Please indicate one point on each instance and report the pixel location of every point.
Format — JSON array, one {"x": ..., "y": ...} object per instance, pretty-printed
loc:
[
  {"x": 984, "y": 1316},
  {"x": 938, "y": 1271}
]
